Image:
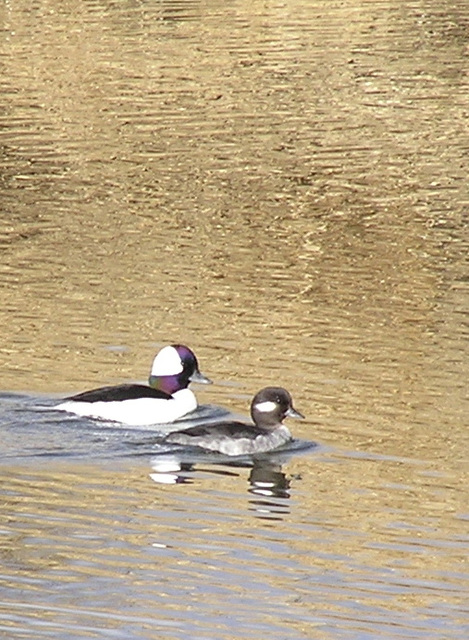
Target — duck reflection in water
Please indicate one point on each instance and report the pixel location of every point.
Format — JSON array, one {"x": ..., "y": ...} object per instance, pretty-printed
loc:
[
  {"x": 267, "y": 482},
  {"x": 266, "y": 479}
]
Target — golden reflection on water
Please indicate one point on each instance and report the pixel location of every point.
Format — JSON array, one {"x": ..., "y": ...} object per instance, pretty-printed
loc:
[
  {"x": 88, "y": 525},
  {"x": 294, "y": 221},
  {"x": 283, "y": 193},
  {"x": 283, "y": 187}
]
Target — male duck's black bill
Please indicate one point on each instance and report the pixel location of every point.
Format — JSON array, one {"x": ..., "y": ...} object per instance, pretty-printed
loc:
[{"x": 200, "y": 378}]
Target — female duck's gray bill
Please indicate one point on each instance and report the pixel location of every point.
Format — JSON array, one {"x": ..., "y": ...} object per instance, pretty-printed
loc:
[
  {"x": 293, "y": 413},
  {"x": 200, "y": 378}
]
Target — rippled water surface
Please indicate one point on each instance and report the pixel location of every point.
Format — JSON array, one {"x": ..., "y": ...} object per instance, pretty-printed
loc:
[{"x": 283, "y": 187}]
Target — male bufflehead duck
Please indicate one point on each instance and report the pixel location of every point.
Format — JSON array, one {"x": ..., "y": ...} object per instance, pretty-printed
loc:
[
  {"x": 165, "y": 400},
  {"x": 268, "y": 408}
]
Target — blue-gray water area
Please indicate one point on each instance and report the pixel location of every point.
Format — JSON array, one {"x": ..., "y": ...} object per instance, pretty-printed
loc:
[{"x": 32, "y": 428}]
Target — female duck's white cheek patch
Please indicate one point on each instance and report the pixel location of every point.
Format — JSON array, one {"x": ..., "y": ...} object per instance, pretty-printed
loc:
[
  {"x": 266, "y": 407},
  {"x": 167, "y": 363}
]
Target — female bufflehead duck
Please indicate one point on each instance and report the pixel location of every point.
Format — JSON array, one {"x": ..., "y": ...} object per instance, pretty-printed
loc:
[
  {"x": 268, "y": 408},
  {"x": 165, "y": 400}
]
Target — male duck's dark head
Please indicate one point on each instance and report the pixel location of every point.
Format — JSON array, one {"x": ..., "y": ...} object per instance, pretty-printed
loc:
[
  {"x": 271, "y": 406},
  {"x": 174, "y": 367}
]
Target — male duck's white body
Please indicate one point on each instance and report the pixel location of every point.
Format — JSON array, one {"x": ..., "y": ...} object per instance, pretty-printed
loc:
[
  {"x": 166, "y": 399},
  {"x": 268, "y": 408}
]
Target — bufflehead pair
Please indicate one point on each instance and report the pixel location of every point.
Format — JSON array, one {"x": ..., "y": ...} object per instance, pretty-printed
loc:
[
  {"x": 165, "y": 399},
  {"x": 168, "y": 398}
]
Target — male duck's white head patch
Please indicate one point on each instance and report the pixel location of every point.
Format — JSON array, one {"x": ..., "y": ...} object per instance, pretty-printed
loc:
[
  {"x": 167, "y": 363},
  {"x": 266, "y": 407}
]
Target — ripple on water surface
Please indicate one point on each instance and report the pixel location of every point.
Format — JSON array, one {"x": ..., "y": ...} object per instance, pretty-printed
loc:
[
  {"x": 96, "y": 541},
  {"x": 282, "y": 186}
]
